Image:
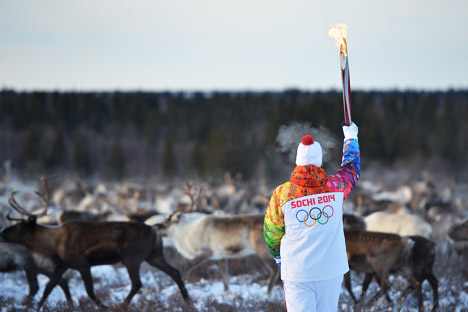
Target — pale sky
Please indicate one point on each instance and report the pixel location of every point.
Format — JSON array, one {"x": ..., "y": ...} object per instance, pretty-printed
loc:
[{"x": 254, "y": 45}]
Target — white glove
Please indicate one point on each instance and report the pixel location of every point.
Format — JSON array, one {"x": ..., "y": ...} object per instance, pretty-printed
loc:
[{"x": 350, "y": 132}]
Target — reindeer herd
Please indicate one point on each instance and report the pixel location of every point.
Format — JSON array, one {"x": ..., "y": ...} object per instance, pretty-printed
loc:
[{"x": 387, "y": 234}]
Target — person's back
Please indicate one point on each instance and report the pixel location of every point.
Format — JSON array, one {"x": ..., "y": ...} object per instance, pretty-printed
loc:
[{"x": 304, "y": 227}]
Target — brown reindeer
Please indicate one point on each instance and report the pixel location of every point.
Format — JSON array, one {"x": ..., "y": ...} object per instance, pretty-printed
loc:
[
  {"x": 376, "y": 253},
  {"x": 459, "y": 232},
  {"x": 81, "y": 245},
  {"x": 458, "y": 239},
  {"x": 16, "y": 257},
  {"x": 382, "y": 254}
]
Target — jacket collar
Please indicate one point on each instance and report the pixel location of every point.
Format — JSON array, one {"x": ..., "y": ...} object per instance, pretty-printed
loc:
[{"x": 308, "y": 176}]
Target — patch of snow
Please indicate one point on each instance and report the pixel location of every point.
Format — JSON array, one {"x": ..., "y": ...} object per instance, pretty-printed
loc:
[{"x": 12, "y": 285}]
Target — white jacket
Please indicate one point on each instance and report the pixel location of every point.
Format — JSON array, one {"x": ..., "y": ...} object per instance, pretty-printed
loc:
[{"x": 314, "y": 238}]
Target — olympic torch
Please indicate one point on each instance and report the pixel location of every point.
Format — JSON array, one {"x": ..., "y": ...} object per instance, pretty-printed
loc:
[{"x": 339, "y": 32}]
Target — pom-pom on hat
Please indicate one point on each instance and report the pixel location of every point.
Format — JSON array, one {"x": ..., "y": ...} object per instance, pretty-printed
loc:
[{"x": 309, "y": 152}]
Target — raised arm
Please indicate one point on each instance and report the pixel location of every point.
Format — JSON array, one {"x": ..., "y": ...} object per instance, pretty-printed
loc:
[{"x": 347, "y": 176}]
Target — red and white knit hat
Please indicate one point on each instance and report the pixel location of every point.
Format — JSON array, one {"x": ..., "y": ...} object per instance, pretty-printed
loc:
[{"x": 309, "y": 152}]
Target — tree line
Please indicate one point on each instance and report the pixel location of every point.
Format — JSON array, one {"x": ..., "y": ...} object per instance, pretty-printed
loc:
[{"x": 118, "y": 135}]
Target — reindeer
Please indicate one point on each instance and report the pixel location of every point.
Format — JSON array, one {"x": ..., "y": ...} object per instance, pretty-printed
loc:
[
  {"x": 353, "y": 222},
  {"x": 81, "y": 245},
  {"x": 380, "y": 254},
  {"x": 75, "y": 215},
  {"x": 16, "y": 257},
  {"x": 402, "y": 224},
  {"x": 458, "y": 239},
  {"x": 459, "y": 232},
  {"x": 423, "y": 258},
  {"x": 200, "y": 237}
]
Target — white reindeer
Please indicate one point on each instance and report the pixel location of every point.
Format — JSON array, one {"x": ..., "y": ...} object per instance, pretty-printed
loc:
[
  {"x": 200, "y": 237},
  {"x": 404, "y": 224}
]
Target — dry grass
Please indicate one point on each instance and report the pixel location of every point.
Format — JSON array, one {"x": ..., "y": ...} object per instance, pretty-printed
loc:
[{"x": 451, "y": 270}]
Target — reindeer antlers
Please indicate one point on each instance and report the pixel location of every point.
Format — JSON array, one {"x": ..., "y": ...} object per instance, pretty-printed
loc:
[
  {"x": 12, "y": 219},
  {"x": 188, "y": 191},
  {"x": 44, "y": 196}
]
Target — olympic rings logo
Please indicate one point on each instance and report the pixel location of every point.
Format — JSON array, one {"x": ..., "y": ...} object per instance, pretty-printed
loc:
[{"x": 317, "y": 217}]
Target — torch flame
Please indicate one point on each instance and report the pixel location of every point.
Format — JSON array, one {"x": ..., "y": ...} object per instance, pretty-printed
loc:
[{"x": 339, "y": 32}]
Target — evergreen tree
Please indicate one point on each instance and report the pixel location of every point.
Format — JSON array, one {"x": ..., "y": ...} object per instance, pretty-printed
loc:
[
  {"x": 196, "y": 159},
  {"x": 151, "y": 127},
  {"x": 30, "y": 153},
  {"x": 214, "y": 161},
  {"x": 57, "y": 157},
  {"x": 169, "y": 159},
  {"x": 116, "y": 160},
  {"x": 82, "y": 162}
]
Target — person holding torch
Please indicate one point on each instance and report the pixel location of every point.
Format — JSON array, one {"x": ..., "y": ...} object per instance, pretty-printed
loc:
[{"x": 303, "y": 225}]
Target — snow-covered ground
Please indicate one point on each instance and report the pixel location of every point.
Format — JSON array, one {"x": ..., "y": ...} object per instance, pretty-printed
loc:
[
  {"x": 114, "y": 280},
  {"x": 247, "y": 292}
]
